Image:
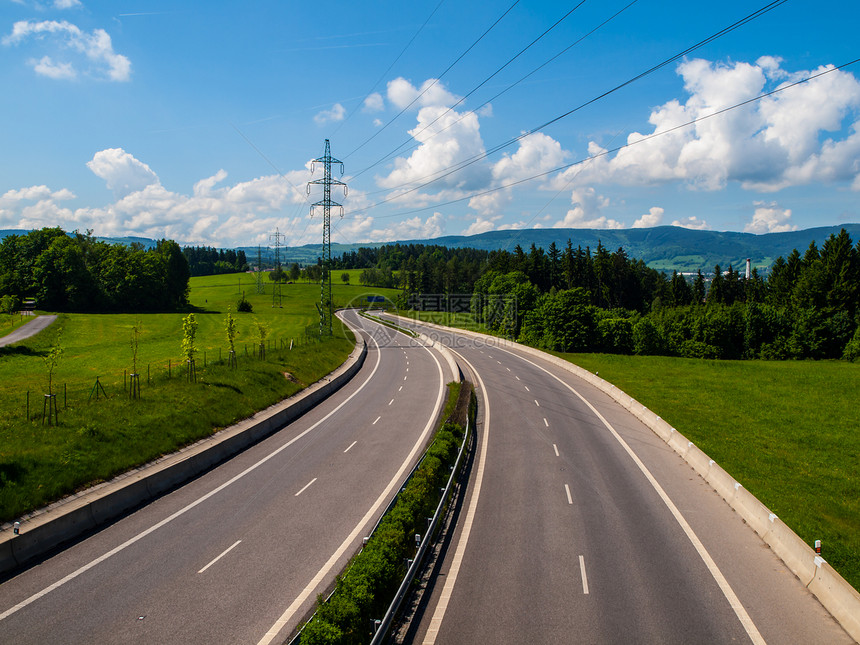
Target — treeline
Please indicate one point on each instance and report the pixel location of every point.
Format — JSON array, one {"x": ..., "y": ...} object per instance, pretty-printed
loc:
[
  {"x": 78, "y": 273},
  {"x": 205, "y": 260},
  {"x": 808, "y": 308},
  {"x": 416, "y": 268},
  {"x": 578, "y": 300}
]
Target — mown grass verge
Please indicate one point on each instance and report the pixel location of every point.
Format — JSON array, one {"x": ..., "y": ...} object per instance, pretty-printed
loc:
[
  {"x": 787, "y": 431},
  {"x": 372, "y": 578}
]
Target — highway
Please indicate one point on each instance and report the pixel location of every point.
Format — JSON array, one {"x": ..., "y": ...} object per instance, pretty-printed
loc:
[
  {"x": 580, "y": 525},
  {"x": 239, "y": 554}
]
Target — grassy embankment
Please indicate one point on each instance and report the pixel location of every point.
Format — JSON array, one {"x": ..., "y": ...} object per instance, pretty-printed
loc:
[
  {"x": 788, "y": 431},
  {"x": 97, "y": 439}
]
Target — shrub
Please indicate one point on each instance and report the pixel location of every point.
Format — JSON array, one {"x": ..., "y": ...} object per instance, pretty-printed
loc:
[{"x": 243, "y": 305}]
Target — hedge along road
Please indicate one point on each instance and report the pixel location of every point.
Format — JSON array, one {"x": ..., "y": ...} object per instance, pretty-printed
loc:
[
  {"x": 239, "y": 554},
  {"x": 582, "y": 525},
  {"x": 26, "y": 331}
]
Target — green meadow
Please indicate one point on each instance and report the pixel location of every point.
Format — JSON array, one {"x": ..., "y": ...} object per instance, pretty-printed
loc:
[
  {"x": 788, "y": 431},
  {"x": 102, "y": 432}
]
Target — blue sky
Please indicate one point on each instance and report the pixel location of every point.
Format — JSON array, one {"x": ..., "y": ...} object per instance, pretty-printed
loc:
[{"x": 197, "y": 120}]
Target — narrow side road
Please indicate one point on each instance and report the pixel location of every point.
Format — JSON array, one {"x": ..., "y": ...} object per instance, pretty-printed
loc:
[{"x": 27, "y": 330}]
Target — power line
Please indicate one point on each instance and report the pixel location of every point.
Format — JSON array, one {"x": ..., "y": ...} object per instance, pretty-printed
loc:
[
  {"x": 435, "y": 80},
  {"x": 504, "y": 91},
  {"x": 393, "y": 63},
  {"x": 475, "y": 158},
  {"x": 609, "y": 151}
]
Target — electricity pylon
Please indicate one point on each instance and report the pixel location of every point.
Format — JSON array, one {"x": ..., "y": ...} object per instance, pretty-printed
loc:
[
  {"x": 327, "y": 182},
  {"x": 276, "y": 290},
  {"x": 259, "y": 276}
]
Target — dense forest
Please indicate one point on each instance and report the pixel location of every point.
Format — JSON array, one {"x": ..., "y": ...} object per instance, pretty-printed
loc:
[
  {"x": 205, "y": 260},
  {"x": 579, "y": 300},
  {"x": 78, "y": 273}
]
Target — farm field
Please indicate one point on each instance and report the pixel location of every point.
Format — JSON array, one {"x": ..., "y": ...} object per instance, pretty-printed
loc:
[
  {"x": 787, "y": 431},
  {"x": 101, "y": 432}
]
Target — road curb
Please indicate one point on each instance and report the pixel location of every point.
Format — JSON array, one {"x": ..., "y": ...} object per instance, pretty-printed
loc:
[
  {"x": 449, "y": 357},
  {"x": 831, "y": 589},
  {"x": 73, "y": 516}
]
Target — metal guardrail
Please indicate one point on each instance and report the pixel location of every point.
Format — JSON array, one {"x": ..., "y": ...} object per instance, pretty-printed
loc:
[{"x": 385, "y": 623}]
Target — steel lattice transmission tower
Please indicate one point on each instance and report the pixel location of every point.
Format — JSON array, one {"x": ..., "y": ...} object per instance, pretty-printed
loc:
[
  {"x": 259, "y": 272},
  {"x": 325, "y": 278},
  {"x": 276, "y": 290}
]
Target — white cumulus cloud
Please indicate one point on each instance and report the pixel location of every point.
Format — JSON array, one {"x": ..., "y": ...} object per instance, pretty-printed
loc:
[
  {"x": 650, "y": 219},
  {"x": 692, "y": 222},
  {"x": 767, "y": 145},
  {"x": 122, "y": 173},
  {"x": 374, "y": 103},
  {"x": 336, "y": 113},
  {"x": 769, "y": 218},
  {"x": 587, "y": 205},
  {"x": 95, "y": 47}
]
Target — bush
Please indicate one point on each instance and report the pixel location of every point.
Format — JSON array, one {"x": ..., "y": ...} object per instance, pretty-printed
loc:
[
  {"x": 646, "y": 338},
  {"x": 243, "y": 305},
  {"x": 852, "y": 349}
]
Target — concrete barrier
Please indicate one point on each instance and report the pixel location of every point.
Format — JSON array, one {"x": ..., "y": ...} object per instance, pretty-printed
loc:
[
  {"x": 842, "y": 601},
  {"x": 71, "y": 518},
  {"x": 831, "y": 589}
]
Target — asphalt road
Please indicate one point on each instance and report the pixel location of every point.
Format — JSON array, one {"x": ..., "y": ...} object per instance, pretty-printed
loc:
[
  {"x": 581, "y": 526},
  {"x": 27, "y": 330},
  {"x": 239, "y": 554}
]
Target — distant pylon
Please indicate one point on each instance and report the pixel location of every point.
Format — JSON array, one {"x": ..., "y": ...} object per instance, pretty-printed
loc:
[
  {"x": 260, "y": 287},
  {"x": 326, "y": 309},
  {"x": 276, "y": 290}
]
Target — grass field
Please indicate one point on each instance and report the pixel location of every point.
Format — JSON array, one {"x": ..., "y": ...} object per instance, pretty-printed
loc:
[
  {"x": 9, "y": 323},
  {"x": 99, "y": 438},
  {"x": 787, "y": 431}
]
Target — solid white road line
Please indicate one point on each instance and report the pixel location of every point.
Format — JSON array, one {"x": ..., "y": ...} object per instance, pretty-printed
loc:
[
  {"x": 327, "y": 568},
  {"x": 306, "y": 486},
  {"x": 719, "y": 578},
  {"x": 182, "y": 511},
  {"x": 235, "y": 544},
  {"x": 451, "y": 578},
  {"x": 351, "y": 445},
  {"x": 567, "y": 490},
  {"x": 584, "y": 577}
]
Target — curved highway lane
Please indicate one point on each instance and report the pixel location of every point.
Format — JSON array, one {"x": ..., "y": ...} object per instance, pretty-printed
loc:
[
  {"x": 239, "y": 554},
  {"x": 580, "y": 525}
]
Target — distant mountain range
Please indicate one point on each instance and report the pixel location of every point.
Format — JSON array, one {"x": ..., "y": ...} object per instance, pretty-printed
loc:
[{"x": 663, "y": 247}]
